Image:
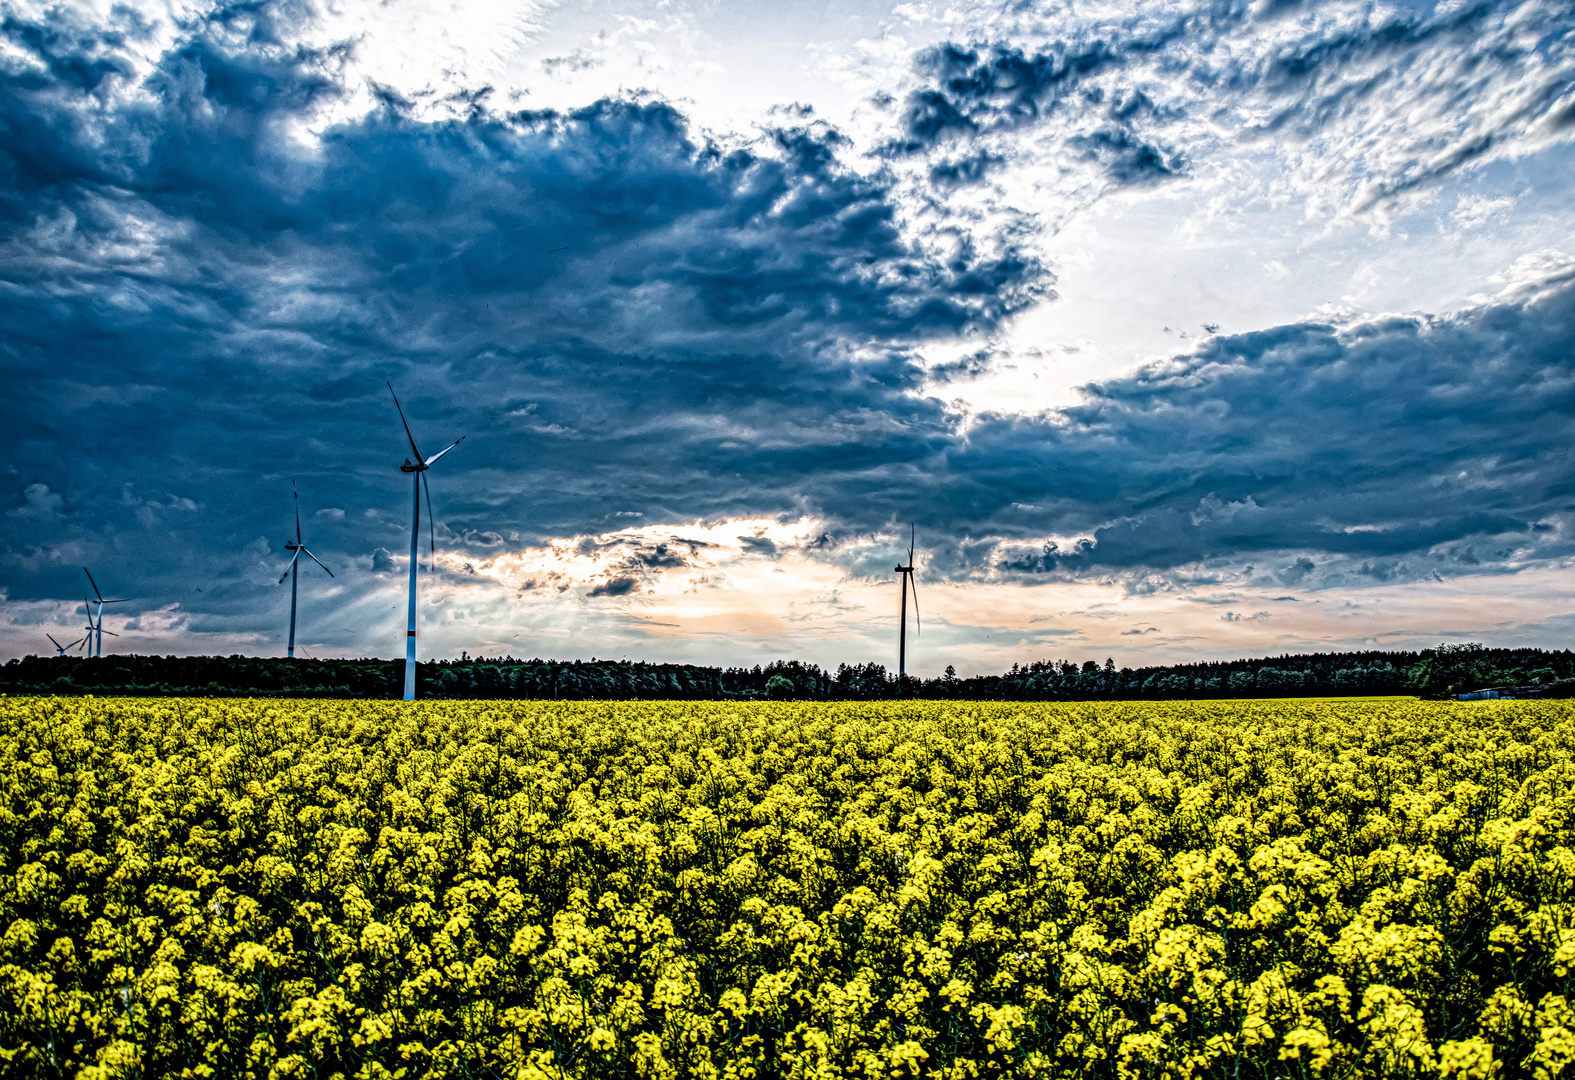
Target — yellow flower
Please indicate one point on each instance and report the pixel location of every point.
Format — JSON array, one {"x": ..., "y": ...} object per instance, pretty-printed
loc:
[
  {"x": 1307, "y": 1044},
  {"x": 1466, "y": 1059}
]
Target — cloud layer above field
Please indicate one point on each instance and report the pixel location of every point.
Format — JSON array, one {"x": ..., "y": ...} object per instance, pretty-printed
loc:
[{"x": 735, "y": 366}]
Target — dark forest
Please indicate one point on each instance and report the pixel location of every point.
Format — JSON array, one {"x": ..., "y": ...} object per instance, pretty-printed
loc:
[{"x": 1428, "y": 673}]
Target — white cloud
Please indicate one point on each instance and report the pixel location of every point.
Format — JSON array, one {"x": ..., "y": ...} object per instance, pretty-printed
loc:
[
  {"x": 1211, "y": 508},
  {"x": 1473, "y": 211},
  {"x": 42, "y": 504}
]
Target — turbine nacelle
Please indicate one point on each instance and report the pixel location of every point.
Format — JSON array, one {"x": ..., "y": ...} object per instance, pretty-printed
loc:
[{"x": 61, "y": 650}]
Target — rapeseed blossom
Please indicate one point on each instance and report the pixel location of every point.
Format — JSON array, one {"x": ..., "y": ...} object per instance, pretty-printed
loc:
[{"x": 539, "y": 889}]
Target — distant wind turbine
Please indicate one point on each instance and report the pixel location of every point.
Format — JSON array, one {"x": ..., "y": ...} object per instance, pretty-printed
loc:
[
  {"x": 86, "y": 641},
  {"x": 99, "y": 630},
  {"x": 416, "y": 470},
  {"x": 61, "y": 650},
  {"x": 906, "y": 573},
  {"x": 293, "y": 571}
]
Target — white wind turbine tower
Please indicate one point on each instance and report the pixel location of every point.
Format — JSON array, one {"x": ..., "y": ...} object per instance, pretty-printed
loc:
[
  {"x": 906, "y": 573},
  {"x": 293, "y": 571},
  {"x": 98, "y": 631},
  {"x": 85, "y": 642},
  {"x": 416, "y": 470}
]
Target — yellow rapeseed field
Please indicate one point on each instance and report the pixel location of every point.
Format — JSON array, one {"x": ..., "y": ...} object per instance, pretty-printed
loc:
[{"x": 540, "y": 889}]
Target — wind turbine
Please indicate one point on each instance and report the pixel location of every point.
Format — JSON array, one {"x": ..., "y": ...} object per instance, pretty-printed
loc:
[
  {"x": 416, "y": 471},
  {"x": 293, "y": 571},
  {"x": 99, "y": 630},
  {"x": 86, "y": 642},
  {"x": 906, "y": 573},
  {"x": 61, "y": 650}
]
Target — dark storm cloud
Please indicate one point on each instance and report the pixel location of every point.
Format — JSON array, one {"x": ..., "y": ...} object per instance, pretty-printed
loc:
[
  {"x": 997, "y": 89},
  {"x": 639, "y": 559},
  {"x": 758, "y": 545},
  {"x": 991, "y": 90},
  {"x": 1383, "y": 449},
  {"x": 628, "y": 320},
  {"x": 200, "y": 305},
  {"x": 616, "y": 587},
  {"x": 660, "y": 557}
]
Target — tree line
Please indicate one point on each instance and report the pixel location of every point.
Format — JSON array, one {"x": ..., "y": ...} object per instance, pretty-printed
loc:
[{"x": 1428, "y": 673}]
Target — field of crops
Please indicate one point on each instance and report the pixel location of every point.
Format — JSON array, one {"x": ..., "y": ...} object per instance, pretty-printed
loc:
[{"x": 374, "y": 889}]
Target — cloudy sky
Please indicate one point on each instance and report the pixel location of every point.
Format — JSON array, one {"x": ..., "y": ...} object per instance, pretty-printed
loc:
[{"x": 1175, "y": 329}]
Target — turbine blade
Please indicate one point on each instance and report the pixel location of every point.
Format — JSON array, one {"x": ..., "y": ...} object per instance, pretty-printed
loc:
[
  {"x": 431, "y": 529},
  {"x": 93, "y": 583},
  {"x": 918, "y": 624},
  {"x": 443, "y": 451},
  {"x": 52, "y": 640},
  {"x": 297, "y": 512},
  {"x": 287, "y": 569},
  {"x": 318, "y": 561},
  {"x": 913, "y": 537},
  {"x": 402, "y": 420},
  {"x": 111, "y": 633}
]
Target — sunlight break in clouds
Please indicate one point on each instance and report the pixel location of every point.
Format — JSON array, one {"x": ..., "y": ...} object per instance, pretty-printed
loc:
[{"x": 749, "y": 577}]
